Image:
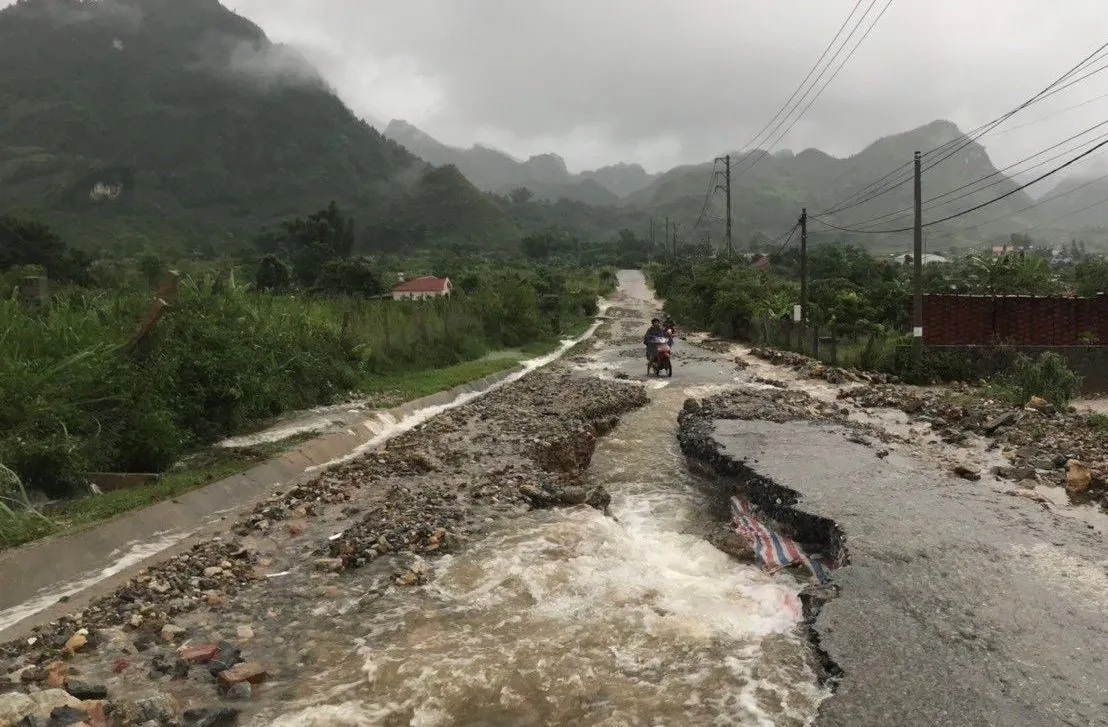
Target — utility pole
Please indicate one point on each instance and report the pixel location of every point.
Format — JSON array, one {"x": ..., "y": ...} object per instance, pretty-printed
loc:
[
  {"x": 651, "y": 233},
  {"x": 917, "y": 269},
  {"x": 803, "y": 269},
  {"x": 665, "y": 238},
  {"x": 727, "y": 181}
]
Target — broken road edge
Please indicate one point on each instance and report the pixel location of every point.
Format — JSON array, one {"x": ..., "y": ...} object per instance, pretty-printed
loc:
[{"x": 725, "y": 476}]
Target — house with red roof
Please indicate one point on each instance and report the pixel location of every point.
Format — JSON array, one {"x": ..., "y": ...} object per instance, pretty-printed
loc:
[{"x": 426, "y": 286}]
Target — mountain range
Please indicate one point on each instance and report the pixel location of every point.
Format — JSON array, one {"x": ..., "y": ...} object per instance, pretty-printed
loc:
[
  {"x": 545, "y": 175},
  {"x": 165, "y": 122}
]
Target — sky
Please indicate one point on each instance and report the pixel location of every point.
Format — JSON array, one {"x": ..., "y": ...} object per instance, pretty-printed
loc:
[{"x": 667, "y": 82}]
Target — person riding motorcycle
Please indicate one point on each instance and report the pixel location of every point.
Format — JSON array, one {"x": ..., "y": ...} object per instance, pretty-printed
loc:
[
  {"x": 654, "y": 332},
  {"x": 671, "y": 329}
]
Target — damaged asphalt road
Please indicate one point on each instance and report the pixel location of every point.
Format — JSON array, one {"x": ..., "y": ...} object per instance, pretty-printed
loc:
[{"x": 957, "y": 605}]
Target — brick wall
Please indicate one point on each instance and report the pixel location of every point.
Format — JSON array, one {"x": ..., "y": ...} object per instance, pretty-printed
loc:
[{"x": 1013, "y": 320}]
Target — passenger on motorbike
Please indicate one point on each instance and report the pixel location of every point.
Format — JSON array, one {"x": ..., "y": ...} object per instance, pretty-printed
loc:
[{"x": 654, "y": 332}]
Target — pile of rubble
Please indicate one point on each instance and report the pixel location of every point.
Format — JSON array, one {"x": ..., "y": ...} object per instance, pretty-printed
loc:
[
  {"x": 1044, "y": 445},
  {"x": 813, "y": 369}
]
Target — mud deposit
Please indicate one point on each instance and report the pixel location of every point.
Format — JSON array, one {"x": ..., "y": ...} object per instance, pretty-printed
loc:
[
  {"x": 542, "y": 555},
  {"x": 266, "y": 591}
]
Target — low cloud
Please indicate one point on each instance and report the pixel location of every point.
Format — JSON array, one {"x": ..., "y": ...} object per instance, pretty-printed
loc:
[{"x": 272, "y": 65}]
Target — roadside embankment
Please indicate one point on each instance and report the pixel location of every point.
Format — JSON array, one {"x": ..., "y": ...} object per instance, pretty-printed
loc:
[{"x": 176, "y": 636}]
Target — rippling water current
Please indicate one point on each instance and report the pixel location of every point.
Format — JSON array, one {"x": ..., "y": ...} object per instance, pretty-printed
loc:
[{"x": 569, "y": 617}]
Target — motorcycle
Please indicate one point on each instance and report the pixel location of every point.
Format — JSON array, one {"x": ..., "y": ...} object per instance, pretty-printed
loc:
[{"x": 660, "y": 361}]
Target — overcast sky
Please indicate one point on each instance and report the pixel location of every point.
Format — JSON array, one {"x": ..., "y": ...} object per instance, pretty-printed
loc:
[{"x": 664, "y": 82}]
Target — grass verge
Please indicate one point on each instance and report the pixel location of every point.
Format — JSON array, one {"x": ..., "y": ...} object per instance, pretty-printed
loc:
[{"x": 211, "y": 465}]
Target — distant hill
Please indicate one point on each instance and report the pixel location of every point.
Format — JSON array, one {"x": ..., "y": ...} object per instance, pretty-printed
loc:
[
  {"x": 1076, "y": 204},
  {"x": 768, "y": 196},
  {"x": 154, "y": 122},
  {"x": 545, "y": 175}
]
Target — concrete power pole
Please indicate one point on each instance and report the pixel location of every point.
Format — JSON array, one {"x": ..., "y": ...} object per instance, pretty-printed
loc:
[
  {"x": 727, "y": 182},
  {"x": 917, "y": 268},
  {"x": 803, "y": 269}
]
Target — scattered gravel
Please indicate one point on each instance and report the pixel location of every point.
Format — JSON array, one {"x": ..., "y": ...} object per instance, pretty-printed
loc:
[{"x": 424, "y": 493}]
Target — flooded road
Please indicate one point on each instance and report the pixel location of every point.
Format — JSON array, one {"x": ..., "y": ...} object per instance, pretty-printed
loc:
[{"x": 569, "y": 616}]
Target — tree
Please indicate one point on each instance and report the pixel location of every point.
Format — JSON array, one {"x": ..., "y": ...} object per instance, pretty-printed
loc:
[
  {"x": 349, "y": 276},
  {"x": 310, "y": 243},
  {"x": 26, "y": 242},
  {"x": 273, "y": 275},
  {"x": 521, "y": 195}
]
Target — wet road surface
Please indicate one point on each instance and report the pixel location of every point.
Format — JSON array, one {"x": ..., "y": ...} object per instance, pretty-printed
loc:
[{"x": 960, "y": 606}]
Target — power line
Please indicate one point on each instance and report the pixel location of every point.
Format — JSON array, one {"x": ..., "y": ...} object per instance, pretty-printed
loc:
[
  {"x": 1019, "y": 188},
  {"x": 1068, "y": 214},
  {"x": 812, "y": 70},
  {"x": 1044, "y": 200},
  {"x": 713, "y": 184},
  {"x": 973, "y": 135},
  {"x": 933, "y": 202},
  {"x": 781, "y": 135},
  {"x": 1057, "y": 113}
]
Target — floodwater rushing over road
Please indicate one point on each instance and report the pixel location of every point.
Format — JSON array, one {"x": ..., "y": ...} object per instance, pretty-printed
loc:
[{"x": 569, "y": 616}]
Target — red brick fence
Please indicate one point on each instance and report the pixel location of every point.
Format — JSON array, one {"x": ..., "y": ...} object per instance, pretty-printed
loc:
[{"x": 1014, "y": 320}]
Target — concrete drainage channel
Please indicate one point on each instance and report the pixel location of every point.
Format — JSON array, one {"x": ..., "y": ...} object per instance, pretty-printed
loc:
[{"x": 48, "y": 578}]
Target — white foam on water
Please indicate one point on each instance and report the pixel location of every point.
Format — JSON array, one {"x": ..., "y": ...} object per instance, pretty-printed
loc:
[
  {"x": 635, "y": 610},
  {"x": 135, "y": 553}
]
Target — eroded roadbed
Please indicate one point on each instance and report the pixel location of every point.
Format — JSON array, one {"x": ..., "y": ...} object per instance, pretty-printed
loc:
[
  {"x": 244, "y": 617},
  {"x": 956, "y": 605}
]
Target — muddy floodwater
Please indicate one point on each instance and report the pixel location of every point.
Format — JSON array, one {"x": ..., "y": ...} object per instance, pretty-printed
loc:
[{"x": 569, "y": 616}]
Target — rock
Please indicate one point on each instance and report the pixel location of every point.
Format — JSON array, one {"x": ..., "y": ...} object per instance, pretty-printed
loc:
[
  {"x": 227, "y": 656},
  {"x": 574, "y": 495},
  {"x": 214, "y": 599},
  {"x": 250, "y": 672},
  {"x": 50, "y": 699},
  {"x": 97, "y": 713},
  {"x": 213, "y": 571},
  {"x": 244, "y": 632},
  {"x": 967, "y": 472},
  {"x": 84, "y": 691},
  {"x": 1078, "y": 477},
  {"x": 329, "y": 564},
  {"x": 15, "y": 706},
  {"x": 120, "y": 665},
  {"x": 1040, "y": 404},
  {"x": 175, "y": 668},
  {"x": 240, "y": 692},
  {"x": 599, "y": 498},
  {"x": 66, "y": 715},
  {"x": 158, "y": 707},
  {"x": 76, "y": 642},
  {"x": 211, "y": 717},
  {"x": 200, "y": 654},
  {"x": 1008, "y": 417},
  {"x": 1032, "y": 495},
  {"x": 171, "y": 632},
  {"x": 33, "y": 675},
  {"x": 56, "y": 673}
]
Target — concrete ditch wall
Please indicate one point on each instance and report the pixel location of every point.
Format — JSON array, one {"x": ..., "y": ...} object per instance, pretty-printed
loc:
[{"x": 74, "y": 561}]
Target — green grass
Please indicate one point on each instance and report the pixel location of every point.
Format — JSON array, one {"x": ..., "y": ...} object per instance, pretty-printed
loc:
[{"x": 216, "y": 464}]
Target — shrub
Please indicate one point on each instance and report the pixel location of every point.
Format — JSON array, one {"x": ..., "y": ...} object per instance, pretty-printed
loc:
[{"x": 1046, "y": 376}]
